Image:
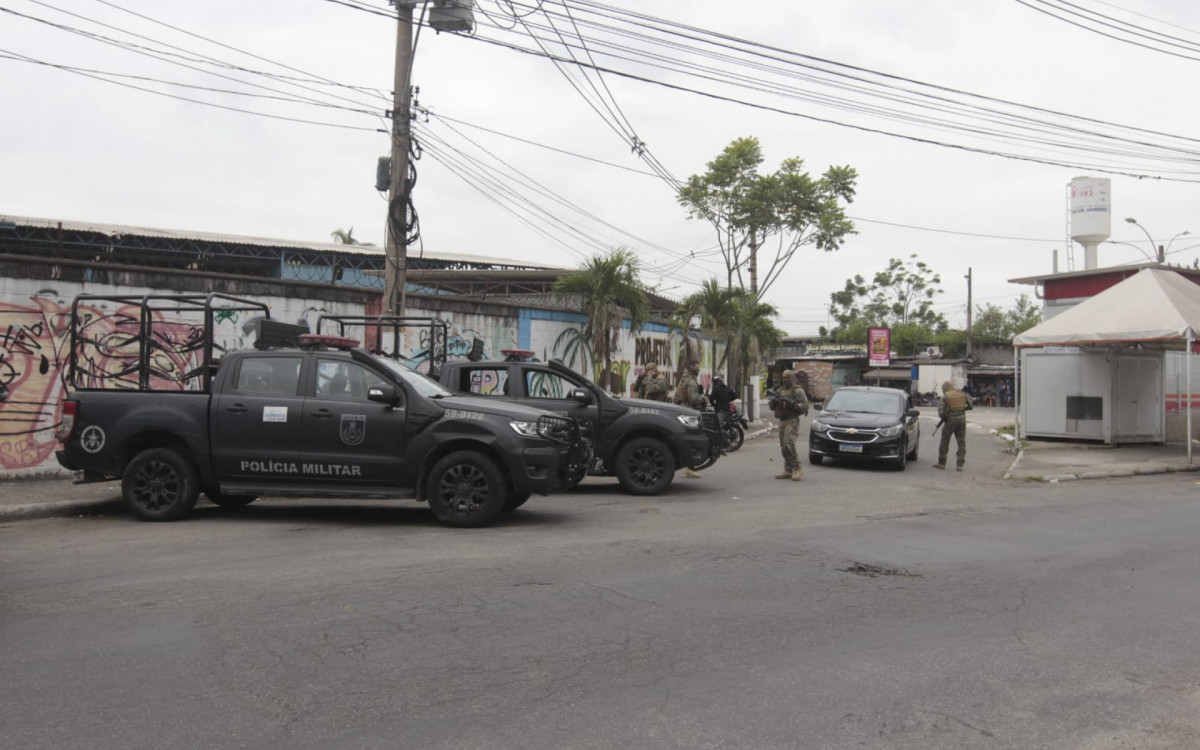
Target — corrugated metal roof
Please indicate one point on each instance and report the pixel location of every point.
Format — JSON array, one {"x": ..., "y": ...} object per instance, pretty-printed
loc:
[{"x": 233, "y": 239}]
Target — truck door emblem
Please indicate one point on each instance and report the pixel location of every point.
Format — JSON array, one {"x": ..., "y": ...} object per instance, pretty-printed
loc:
[
  {"x": 92, "y": 439},
  {"x": 354, "y": 428}
]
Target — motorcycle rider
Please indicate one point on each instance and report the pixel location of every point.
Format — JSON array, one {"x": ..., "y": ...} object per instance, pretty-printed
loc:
[{"x": 721, "y": 397}]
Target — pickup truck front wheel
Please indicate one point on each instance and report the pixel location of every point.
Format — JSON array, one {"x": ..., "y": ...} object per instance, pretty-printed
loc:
[
  {"x": 516, "y": 500},
  {"x": 645, "y": 466},
  {"x": 466, "y": 489},
  {"x": 160, "y": 485},
  {"x": 229, "y": 501}
]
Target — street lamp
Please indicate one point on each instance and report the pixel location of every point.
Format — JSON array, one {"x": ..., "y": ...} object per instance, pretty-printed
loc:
[
  {"x": 1172, "y": 241},
  {"x": 1152, "y": 245}
]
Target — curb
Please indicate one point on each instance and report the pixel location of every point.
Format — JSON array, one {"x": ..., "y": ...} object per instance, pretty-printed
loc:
[
  {"x": 1115, "y": 474},
  {"x": 56, "y": 510}
]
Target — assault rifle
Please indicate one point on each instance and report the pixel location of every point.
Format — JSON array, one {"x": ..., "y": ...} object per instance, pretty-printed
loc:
[
  {"x": 776, "y": 397},
  {"x": 937, "y": 427}
]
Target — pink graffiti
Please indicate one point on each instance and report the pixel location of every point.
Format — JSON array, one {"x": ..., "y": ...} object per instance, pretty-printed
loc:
[{"x": 35, "y": 340}]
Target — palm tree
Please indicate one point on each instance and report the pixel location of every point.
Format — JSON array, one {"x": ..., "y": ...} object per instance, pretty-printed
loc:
[
  {"x": 608, "y": 291},
  {"x": 715, "y": 309},
  {"x": 754, "y": 332},
  {"x": 346, "y": 237}
]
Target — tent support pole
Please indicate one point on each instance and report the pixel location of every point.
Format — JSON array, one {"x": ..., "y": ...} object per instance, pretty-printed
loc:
[
  {"x": 1016, "y": 395},
  {"x": 1188, "y": 358}
]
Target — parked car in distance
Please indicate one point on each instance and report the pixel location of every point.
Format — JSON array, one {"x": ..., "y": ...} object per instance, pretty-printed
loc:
[{"x": 868, "y": 423}]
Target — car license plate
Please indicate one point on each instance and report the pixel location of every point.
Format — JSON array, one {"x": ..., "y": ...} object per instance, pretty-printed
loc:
[{"x": 850, "y": 448}]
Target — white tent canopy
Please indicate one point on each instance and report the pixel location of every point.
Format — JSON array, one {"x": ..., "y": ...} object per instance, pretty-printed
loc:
[{"x": 1153, "y": 305}]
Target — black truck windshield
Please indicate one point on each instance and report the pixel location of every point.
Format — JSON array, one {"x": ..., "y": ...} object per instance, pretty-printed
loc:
[{"x": 422, "y": 384}]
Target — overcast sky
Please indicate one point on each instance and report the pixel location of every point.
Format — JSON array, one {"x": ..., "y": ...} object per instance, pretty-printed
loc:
[{"x": 942, "y": 172}]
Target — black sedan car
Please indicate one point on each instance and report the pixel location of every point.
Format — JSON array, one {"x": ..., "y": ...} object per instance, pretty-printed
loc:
[{"x": 865, "y": 422}]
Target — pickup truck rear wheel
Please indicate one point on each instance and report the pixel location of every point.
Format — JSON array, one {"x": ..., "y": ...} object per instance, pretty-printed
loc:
[
  {"x": 645, "y": 466},
  {"x": 229, "y": 501},
  {"x": 159, "y": 484},
  {"x": 466, "y": 489}
]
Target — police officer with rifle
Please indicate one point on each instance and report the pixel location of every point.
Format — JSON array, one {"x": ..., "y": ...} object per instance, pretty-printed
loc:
[
  {"x": 952, "y": 410},
  {"x": 788, "y": 404}
]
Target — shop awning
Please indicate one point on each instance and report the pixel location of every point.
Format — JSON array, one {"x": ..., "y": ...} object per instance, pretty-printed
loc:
[{"x": 887, "y": 374}]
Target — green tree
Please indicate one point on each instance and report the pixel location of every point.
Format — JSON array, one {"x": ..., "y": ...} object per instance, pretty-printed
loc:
[
  {"x": 346, "y": 237},
  {"x": 785, "y": 210},
  {"x": 995, "y": 324},
  {"x": 755, "y": 333},
  {"x": 711, "y": 310},
  {"x": 607, "y": 290},
  {"x": 732, "y": 316},
  {"x": 900, "y": 297}
]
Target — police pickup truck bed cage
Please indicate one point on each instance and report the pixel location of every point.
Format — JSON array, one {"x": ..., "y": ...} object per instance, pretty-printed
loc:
[
  {"x": 159, "y": 341},
  {"x": 370, "y": 329}
]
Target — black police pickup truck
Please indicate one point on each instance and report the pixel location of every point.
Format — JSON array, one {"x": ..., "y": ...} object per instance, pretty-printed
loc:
[
  {"x": 642, "y": 443},
  {"x": 322, "y": 419}
]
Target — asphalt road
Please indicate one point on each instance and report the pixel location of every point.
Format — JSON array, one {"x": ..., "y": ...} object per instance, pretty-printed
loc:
[{"x": 858, "y": 608}]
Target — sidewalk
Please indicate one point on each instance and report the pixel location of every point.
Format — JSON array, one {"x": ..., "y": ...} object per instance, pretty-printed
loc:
[
  {"x": 1064, "y": 461},
  {"x": 1037, "y": 461}
]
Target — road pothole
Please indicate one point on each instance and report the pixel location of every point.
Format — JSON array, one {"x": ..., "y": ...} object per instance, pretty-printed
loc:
[{"x": 875, "y": 571}]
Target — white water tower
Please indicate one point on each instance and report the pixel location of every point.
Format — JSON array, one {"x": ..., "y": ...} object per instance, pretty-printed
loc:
[{"x": 1090, "y": 214}]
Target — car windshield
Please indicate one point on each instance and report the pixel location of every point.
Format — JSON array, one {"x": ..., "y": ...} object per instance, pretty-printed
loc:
[
  {"x": 422, "y": 384},
  {"x": 870, "y": 402}
]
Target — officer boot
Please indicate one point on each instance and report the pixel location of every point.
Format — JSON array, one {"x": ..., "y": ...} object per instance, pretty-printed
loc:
[
  {"x": 784, "y": 475},
  {"x": 797, "y": 475}
]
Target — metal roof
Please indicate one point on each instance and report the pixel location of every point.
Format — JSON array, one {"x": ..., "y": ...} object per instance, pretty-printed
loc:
[{"x": 233, "y": 239}]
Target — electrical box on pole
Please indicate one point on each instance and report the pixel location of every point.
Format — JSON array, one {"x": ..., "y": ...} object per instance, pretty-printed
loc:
[
  {"x": 383, "y": 174},
  {"x": 452, "y": 15}
]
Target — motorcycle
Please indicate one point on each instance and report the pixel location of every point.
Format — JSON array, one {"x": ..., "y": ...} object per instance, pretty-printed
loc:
[{"x": 735, "y": 429}]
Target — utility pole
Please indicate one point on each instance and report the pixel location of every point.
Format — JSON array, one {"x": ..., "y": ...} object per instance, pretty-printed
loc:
[
  {"x": 396, "y": 242},
  {"x": 968, "y": 277}
]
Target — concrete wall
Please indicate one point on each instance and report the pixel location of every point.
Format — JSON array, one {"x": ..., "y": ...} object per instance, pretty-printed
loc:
[{"x": 35, "y": 331}]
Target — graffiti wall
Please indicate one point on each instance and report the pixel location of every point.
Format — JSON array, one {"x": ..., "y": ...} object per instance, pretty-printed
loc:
[
  {"x": 35, "y": 343},
  {"x": 560, "y": 336}
]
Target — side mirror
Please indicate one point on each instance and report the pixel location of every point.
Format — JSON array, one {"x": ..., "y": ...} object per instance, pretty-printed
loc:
[
  {"x": 913, "y": 413},
  {"x": 383, "y": 394},
  {"x": 581, "y": 395}
]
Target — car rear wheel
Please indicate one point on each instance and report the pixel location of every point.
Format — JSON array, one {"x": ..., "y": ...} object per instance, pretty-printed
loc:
[
  {"x": 465, "y": 489},
  {"x": 160, "y": 485},
  {"x": 645, "y": 466}
]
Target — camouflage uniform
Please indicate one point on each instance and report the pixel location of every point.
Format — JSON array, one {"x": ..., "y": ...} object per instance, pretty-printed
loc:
[
  {"x": 953, "y": 407},
  {"x": 654, "y": 386},
  {"x": 788, "y": 407},
  {"x": 688, "y": 393}
]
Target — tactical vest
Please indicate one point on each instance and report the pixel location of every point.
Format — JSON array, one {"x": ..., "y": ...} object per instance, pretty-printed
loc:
[
  {"x": 955, "y": 401},
  {"x": 681, "y": 391}
]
